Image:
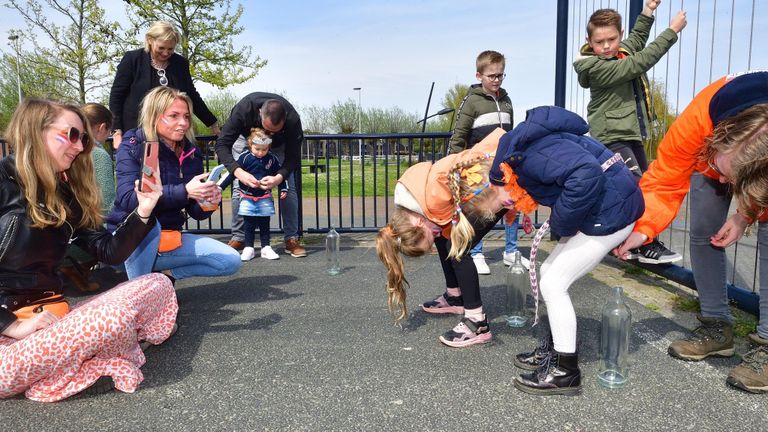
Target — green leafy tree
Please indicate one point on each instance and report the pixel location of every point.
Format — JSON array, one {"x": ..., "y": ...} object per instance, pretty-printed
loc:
[
  {"x": 315, "y": 119},
  {"x": 452, "y": 99},
  {"x": 207, "y": 30},
  {"x": 664, "y": 116},
  {"x": 343, "y": 117},
  {"x": 71, "y": 55}
]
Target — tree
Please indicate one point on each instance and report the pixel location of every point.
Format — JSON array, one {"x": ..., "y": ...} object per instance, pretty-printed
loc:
[
  {"x": 663, "y": 118},
  {"x": 315, "y": 119},
  {"x": 207, "y": 29},
  {"x": 73, "y": 54},
  {"x": 220, "y": 104},
  {"x": 452, "y": 99}
]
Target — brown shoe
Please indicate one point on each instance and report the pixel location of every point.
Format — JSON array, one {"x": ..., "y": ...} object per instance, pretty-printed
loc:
[
  {"x": 752, "y": 374},
  {"x": 714, "y": 337},
  {"x": 293, "y": 247},
  {"x": 236, "y": 244}
]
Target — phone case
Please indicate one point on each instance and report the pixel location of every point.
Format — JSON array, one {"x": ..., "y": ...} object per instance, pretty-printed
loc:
[{"x": 150, "y": 166}]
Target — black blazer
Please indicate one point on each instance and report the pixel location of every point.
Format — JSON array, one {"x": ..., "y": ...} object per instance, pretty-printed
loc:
[{"x": 135, "y": 77}]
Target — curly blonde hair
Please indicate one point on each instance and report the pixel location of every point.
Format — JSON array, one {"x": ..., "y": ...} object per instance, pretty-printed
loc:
[
  {"x": 744, "y": 135},
  {"x": 37, "y": 174}
]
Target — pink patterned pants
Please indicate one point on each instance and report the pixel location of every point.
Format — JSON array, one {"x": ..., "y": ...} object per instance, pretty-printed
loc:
[{"x": 99, "y": 337}]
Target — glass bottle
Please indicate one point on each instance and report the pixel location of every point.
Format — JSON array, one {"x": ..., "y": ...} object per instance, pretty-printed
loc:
[
  {"x": 332, "y": 252},
  {"x": 616, "y": 326},
  {"x": 518, "y": 285}
]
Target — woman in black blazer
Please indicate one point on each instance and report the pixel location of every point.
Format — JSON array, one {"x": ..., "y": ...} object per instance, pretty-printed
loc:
[{"x": 143, "y": 69}]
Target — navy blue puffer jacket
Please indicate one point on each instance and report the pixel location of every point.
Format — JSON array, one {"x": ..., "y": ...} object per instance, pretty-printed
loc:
[
  {"x": 561, "y": 168},
  {"x": 174, "y": 203}
]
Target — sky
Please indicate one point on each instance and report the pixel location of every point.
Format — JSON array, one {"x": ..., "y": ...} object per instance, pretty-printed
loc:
[{"x": 318, "y": 51}]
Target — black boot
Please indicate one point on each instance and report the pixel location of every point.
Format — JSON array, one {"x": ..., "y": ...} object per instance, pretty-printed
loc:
[
  {"x": 532, "y": 359},
  {"x": 558, "y": 374}
]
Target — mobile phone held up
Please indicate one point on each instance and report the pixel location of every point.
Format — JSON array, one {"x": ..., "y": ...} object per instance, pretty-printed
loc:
[
  {"x": 150, "y": 166},
  {"x": 213, "y": 176},
  {"x": 215, "y": 173}
]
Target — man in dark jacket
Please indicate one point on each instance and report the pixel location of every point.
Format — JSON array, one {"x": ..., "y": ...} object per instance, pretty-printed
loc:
[{"x": 277, "y": 117}]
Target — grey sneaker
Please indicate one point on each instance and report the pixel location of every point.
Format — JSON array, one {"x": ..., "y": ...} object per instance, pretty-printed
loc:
[
  {"x": 752, "y": 374},
  {"x": 714, "y": 337}
]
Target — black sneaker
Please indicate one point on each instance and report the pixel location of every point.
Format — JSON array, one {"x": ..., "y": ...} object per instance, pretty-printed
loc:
[{"x": 656, "y": 253}]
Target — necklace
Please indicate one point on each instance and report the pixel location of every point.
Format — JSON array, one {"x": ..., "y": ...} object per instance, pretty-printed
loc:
[{"x": 163, "y": 80}]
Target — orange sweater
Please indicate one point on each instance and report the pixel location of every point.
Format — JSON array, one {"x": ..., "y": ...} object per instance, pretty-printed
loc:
[
  {"x": 428, "y": 182},
  {"x": 668, "y": 178}
]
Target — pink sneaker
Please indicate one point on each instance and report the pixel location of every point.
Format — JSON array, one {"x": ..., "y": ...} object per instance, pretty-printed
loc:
[
  {"x": 466, "y": 333},
  {"x": 444, "y": 304}
]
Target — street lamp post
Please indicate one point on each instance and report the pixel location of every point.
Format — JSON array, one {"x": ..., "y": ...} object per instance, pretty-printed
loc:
[
  {"x": 14, "y": 38},
  {"x": 359, "y": 91}
]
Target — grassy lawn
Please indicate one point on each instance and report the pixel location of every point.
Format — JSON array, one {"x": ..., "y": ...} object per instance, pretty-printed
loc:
[
  {"x": 347, "y": 175},
  {"x": 350, "y": 176}
]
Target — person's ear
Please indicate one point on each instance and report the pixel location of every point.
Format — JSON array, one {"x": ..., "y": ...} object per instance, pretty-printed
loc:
[{"x": 479, "y": 76}]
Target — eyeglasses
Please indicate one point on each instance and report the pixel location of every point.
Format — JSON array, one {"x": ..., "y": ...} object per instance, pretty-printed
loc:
[
  {"x": 74, "y": 135},
  {"x": 713, "y": 167},
  {"x": 163, "y": 79},
  {"x": 496, "y": 77}
]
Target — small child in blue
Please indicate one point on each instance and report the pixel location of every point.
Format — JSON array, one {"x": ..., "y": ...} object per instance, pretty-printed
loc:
[{"x": 256, "y": 204}]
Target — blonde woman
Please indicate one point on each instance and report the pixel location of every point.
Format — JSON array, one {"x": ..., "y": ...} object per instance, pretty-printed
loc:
[
  {"x": 166, "y": 119},
  {"x": 143, "y": 69},
  {"x": 716, "y": 150},
  {"x": 46, "y": 350}
]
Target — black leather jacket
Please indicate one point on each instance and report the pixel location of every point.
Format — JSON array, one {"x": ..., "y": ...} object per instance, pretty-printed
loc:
[{"x": 29, "y": 257}]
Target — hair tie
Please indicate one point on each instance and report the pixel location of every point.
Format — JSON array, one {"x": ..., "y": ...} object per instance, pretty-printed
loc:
[{"x": 399, "y": 242}]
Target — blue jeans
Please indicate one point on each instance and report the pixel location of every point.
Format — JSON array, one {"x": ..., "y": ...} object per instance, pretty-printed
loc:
[
  {"x": 197, "y": 256},
  {"x": 511, "y": 239},
  {"x": 710, "y": 201}
]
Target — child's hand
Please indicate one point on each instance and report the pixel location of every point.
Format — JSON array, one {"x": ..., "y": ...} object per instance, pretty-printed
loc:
[
  {"x": 283, "y": 194},
  {"x": 652, "y": 4},
  {"x": 650, "y": 7},
  {"x": 679, "y": 22},
  {"x": 148, "y": 200}
]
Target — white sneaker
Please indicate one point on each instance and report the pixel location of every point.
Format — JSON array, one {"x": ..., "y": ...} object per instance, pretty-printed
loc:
[
  {"x": 509, "y": 259},
  {"x": 482, "y": 267},
  {"x": 248, "y": 254},
  {"x": 268, "y": 253}
]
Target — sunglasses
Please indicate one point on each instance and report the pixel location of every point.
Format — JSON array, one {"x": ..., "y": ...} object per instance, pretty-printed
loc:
[{"x": 73, "y": 135}]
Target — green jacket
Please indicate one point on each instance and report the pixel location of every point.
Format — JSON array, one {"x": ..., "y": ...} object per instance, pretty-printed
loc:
[
  {"x": 479, "y": 114},
  {"x": 619, "y": 108}
]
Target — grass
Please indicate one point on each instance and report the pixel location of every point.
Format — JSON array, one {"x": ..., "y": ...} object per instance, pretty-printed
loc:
[
  {"x": 355, "y": 180},
  {"x": 686, "y": 304},
  {"x": 744, "y": 323}
]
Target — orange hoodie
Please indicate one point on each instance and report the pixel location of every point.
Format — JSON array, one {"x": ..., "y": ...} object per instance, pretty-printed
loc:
[
  {"x": 668, "y": 178},
  {"x": 428, "y": 182}
]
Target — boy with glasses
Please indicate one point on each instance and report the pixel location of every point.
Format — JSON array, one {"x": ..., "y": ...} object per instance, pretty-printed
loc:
[
  {"x": 486, "y": 107},
  {"x": 619, "y": 110}
]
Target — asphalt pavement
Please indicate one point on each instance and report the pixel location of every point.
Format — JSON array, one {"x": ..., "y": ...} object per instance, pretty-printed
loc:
[{"x": 283, "y": 346}]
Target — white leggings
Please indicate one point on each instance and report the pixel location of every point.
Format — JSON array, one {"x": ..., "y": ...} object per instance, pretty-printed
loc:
[{"x": 572, "y": 258}]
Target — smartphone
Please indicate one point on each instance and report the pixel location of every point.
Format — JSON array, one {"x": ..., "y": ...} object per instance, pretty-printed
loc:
[
  {"x": 150, "y": 166},
  {"x": 215, "y": 173}
]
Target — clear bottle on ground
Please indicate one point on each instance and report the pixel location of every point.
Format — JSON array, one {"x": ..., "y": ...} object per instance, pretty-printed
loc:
[
  {"x": 332, "y": 240},
  {"x": 613, "y": 370},
  {"x": 518, "y": 286}
]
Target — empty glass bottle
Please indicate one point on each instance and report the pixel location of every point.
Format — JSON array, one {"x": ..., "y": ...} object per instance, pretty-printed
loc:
[
  {"x": 333, "y": 267},
  {"x": 613, "y": 370},
  {"x": 518, "y": 286}
]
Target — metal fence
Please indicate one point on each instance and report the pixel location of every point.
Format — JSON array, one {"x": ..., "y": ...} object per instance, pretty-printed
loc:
[{"x": 721, "y": 37}]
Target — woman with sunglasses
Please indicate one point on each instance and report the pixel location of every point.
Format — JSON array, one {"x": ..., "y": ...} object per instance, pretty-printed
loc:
[
  {"x": 715, "y": 150},
  {"x": 47, "y": 201},
  {"x": 165, "y": 121},
  {"x": 143, "y": 69}
]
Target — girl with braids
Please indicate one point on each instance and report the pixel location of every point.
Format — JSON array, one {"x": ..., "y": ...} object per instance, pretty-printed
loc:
[
  {"x": 716, "y": 149},
  {"x": 594, "y": 199},
  {"x": 427, "y": 197}
]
